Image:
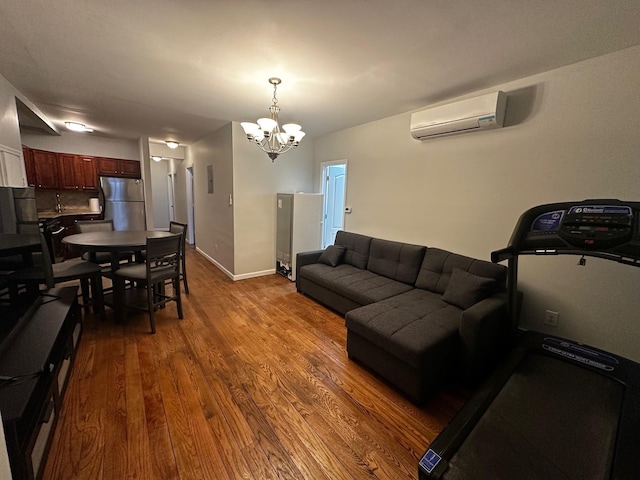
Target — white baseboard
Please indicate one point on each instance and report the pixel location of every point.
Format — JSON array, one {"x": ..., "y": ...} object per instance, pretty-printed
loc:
[{"x": 233, "y": 277}]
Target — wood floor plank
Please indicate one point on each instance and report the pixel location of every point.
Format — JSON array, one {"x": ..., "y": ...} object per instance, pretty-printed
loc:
[{"x": 253, "y": 383}]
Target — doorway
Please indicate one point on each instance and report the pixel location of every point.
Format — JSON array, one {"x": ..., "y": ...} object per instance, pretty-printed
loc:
[
  {"x": 191, "y": 231},
  {"x": 171, "y": 192},
  {"x": 334, "y": 185}
]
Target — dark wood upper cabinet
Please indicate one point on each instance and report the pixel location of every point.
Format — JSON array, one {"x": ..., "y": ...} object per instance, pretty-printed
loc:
[
  {"x": 45, "y": 166},
  {"x": 73, "y": 172},
  {"x": 131, "y": 168},
  {"x": 87, "y": 172},
  {"x": 67, "y": 170},
  {"x": 116, "y": 167},
  {"x": 27, "y": 153},
  {"x": 77, "y": 172}
]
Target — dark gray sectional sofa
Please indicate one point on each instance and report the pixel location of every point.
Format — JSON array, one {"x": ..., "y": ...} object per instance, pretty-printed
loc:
[{"x": 417, "y": 316}]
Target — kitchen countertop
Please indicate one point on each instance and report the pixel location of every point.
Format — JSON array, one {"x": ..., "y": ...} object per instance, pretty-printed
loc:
[{"x": 67, "y": 212}]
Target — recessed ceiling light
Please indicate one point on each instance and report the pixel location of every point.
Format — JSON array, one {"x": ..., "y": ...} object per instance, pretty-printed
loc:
[
  {"x": 78, "y": 127},
  {"x": 172, "y": 144}
]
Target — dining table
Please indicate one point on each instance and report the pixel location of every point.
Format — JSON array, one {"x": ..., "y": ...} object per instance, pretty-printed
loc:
[
  {"x": 19, "y": 244},
  {"x": 115, "y": 242}
]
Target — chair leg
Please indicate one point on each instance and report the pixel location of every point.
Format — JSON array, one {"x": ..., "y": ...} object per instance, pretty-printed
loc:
[
  {"x": 97, "y": 296},
  {"x": 184, "y": 274},
  {"x": 84, "y": 287},
  {"x": 176, "y": 287},
  {"x": 150, "y": 302},
  {"x": 119, "y": 297}
]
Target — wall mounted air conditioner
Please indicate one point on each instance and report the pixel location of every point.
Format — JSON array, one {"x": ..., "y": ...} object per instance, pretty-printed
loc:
[{"x": 478, "y": 113}]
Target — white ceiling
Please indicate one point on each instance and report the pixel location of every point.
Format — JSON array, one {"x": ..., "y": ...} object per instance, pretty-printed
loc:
[{"x": 181, "y": 69}]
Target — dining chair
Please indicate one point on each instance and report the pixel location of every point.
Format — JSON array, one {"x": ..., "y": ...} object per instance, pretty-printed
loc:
[
  {"x": 87, "y": 273},
  {"x": 85, "y": 226},
  {"x": 175, "y": 227},
  {"x": 162, "y": 265}
]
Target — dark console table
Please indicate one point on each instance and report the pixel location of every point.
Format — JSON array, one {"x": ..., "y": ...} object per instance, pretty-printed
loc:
[{"x": 35, "y": 363}]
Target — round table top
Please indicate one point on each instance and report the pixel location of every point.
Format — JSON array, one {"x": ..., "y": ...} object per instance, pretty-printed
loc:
[
  {"x": 114, "y": 240},
  {"x": 15, "y": 243}
]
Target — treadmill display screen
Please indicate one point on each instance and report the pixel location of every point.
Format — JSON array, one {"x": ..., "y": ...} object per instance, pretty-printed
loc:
[
  {"x": 548, "y": 222},
  {"x": 597, "y": 226}
]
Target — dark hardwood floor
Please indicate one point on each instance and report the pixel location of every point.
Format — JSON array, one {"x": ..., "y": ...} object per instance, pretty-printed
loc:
[{"x": 253, "y": 383}]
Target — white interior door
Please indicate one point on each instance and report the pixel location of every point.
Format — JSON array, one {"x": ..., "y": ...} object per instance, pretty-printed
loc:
[
  {"x": 191, "y": 230},
  {"x": 334, "y": 189},
  {"x": 171, "y": 179}
]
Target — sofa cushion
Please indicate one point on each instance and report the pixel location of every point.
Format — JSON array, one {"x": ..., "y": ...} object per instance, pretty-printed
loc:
[
  {"x": 361, "y": 286},
  {"x": 332, "y": 255},
  {"x": 411, "y": 326},
  {"x": 466, "y": 289},
  {"x": 396, "y": 260},
  {"x": 357, "y": 252},
  {"x": 438, "y": 266}
]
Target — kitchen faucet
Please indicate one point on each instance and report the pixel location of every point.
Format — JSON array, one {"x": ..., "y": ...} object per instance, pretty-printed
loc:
[{"x": 59, "y": 206}]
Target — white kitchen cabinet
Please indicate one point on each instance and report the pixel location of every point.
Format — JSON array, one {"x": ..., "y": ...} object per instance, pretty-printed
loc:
[{"x": 12, "y": 171}]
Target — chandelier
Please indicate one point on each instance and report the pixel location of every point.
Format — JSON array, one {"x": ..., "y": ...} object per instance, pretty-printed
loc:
[{"x": 267, "y": 133}]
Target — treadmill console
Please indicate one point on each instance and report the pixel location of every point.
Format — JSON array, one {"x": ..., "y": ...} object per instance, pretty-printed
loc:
[
  {"x": 595, "y": 226},
  {"x": 604, "y": 228}
]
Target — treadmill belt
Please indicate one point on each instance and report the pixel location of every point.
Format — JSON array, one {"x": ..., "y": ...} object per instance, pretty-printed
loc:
[{"x": 551, "y": 420}]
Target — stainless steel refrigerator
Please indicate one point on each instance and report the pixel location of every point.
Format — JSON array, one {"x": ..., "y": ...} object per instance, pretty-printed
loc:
[{"x": 124, "y": 202}]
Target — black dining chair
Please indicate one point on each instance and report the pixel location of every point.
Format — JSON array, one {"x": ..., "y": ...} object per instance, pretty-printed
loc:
[
  {"x": 102, "y": 258},
  {"x": 162, "y": 265},
  {"x": 88, "y": 274},
  {"x": 175, "y": 227}
]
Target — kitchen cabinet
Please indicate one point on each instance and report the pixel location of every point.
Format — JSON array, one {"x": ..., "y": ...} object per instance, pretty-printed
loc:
[
  {"x": 77, "y": 172},
  {"x": 12, "y": 171},
  {"x": 68, "y": 171},
  {"x": 45, "y": 169},
  {"x": 27, "y": 153},
  {"x": 87, "y": 172},
  {"x": 116, "y": 167}
]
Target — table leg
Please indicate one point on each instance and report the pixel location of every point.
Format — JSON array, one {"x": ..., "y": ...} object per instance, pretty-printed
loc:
[{"x": 118, "y": 289}]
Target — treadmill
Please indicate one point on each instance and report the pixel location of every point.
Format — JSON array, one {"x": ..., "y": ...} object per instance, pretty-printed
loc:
[{"x": 555, "y": 409}]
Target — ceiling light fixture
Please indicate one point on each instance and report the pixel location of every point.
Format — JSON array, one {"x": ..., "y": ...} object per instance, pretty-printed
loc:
[
  {"x": 78, "y": 127},
  {"x": 267, "y": 134},
  {"x": 172, "y": 144},
  {"x": 156, "y": 158}
]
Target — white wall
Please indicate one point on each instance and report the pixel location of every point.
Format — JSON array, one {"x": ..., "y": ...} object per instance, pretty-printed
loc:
[
  {"x": 9, "y": 129},
  {"x": 571, "y": 134},
  {"x": 9, "y": 126},
  {"x": 213, "y": 215},
  {"x": 240, "y": 237},
  {"x": 256, "y": 181},
  {"x": 84, "y": 144}
]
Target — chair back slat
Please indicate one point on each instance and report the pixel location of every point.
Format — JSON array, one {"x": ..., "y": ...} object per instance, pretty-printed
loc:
[
  {"x": 163, "y": 254},
  {"x": 85, "y": 226}
]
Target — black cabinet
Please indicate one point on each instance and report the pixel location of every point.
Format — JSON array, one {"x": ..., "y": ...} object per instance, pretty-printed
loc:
[{"x": 37, "y": 355}]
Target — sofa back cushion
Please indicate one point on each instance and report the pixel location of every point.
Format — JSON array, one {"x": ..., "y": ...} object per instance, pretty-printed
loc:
[
  {"x": 438, "y": 266},
  {"x": 395, "y": 260},
  {"x": 357, "y": 248}
]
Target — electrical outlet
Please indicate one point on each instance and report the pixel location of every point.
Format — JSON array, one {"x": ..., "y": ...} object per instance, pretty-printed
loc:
[{"x": 551, "y": 318}]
